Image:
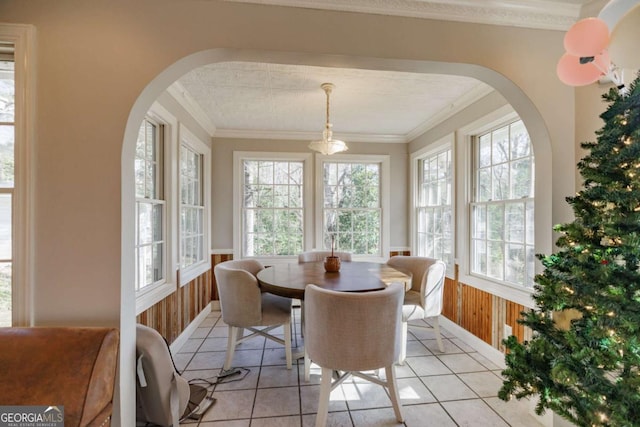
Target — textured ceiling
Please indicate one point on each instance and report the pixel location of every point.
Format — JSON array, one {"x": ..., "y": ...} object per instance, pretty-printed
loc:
[
  {"x": 258, "y": 100},
  {"x": 274, "y": 98}
]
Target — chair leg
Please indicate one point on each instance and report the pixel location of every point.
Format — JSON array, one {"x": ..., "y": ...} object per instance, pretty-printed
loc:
[
  {"x": 231, "y": 346},
  {"x": 287, "y": 343},
  {"x": 323, "y": 403},
  {"x": 302, "y": 318},
  {"x": 403, "y": 343},
  {"x": 393, "y": 392},
  {"x": 307, "y": 366},
  {"x": 436, "y": 328}
]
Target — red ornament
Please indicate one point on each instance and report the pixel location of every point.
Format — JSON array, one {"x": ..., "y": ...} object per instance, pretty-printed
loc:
[{"x": 604, "y": 261}]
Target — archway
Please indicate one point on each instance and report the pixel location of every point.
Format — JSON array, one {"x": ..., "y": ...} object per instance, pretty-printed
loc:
[{"x": 125, "y": 406}]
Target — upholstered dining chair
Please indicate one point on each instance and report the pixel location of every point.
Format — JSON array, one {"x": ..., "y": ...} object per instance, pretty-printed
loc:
[
  {"x": 351, "y": 332},
  {"x": 424, "y": 299},
  {"x": 316, "y": 256},
  {"x": 245, "y": 306}
]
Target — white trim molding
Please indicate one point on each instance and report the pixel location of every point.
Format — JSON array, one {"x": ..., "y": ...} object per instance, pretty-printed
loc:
[
  {"x": 182, "y": 97},
  {"x": 542, "y": 14},
  {"x": 23, "y": 38}
]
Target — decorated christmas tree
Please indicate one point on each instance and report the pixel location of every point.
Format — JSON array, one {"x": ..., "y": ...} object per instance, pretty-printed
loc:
[{"x": 588, "y": 370}]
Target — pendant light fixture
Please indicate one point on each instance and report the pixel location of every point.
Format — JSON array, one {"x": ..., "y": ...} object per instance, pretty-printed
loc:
[{"x": 328, "y": 145}]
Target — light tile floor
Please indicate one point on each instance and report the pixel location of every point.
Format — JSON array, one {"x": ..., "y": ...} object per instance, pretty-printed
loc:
[{"x": 455, "y": 388}]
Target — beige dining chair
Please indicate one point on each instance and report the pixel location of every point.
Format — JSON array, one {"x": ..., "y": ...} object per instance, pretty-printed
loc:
[
  {"x": 317, "y": 256},
  {"x": 352, "y": 332},
  {"x": 424, "y": 299},
  {"x": 245, "y": 306}
]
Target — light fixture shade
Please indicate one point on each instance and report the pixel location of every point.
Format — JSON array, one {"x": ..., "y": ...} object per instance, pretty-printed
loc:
[{"x": 328, "y": 145}]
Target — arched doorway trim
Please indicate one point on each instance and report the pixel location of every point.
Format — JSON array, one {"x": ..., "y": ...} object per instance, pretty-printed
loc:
[{"x": 125, "y": 395}]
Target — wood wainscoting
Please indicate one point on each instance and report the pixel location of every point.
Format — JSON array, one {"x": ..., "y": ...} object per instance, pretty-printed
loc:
[
  {"x": 174, "y": 313},
  {"x": 482, "y": 313}
]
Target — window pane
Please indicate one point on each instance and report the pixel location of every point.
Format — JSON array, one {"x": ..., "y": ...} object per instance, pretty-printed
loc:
[
  {"x": 495, "y": 222},
  {"x": 145, "y": 223},
  {"x": 5, "y": 227},
  {"x": 514, "y": 221},
  {"x": 7, "y": 91},
  {"x": 500, "y": 145},
  {"x": 479, "y": 222},
  {"x": 435, "y": 184},
  {"x": 500, "y": 181},
  {"x": 531, "y": 257},
  {"x": 276, "y": 201},
  {"x": 521, "y": 183},
  {"x": 515, "y": 265},
  {"x": 5, "y": 294},
  {"x": 529, "y": 223},
  {"x": 6, "y": 155},
  {"x": 520, "y": 143},
  {"x": 484, "y": 185},
  {"x": 479, "y": 257},
  {"x": 158, "y": 262},
  {"x": 495, "y": 259},
  {"x": 504, "y": 187},
  {"x": 484, "y": 157}
]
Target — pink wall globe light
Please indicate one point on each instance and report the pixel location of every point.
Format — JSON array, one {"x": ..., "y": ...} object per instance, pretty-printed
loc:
[
  {"x": 574, "y": 72},
  {"x": 587, "y": 37}
]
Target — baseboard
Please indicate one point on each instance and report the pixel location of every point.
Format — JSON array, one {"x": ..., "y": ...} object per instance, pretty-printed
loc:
[
  {"x": 488, "y": 351},
  {"x": 190, "y": 329}
]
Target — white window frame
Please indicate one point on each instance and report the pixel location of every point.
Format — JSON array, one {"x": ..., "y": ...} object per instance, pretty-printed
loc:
[
  {"x": 22, "y": 271},
  {"x": 439, "y": 146},
  {"x": 385, "y": 188},
  {"x": 192, "y": 142},
  {"x": 238, "y": 173},
  {"x": 464, "y": 174},
  {"x": 149, "y": 296}
]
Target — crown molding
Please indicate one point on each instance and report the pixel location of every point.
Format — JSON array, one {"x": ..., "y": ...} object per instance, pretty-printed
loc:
[
  {"x": 308, "y": 136},
  {"x": 474, "y": 95},
  {"x": 182, "y": 97},
  {"x": 540, "y": 14}
]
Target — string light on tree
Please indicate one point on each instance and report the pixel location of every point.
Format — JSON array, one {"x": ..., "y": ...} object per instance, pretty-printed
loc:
[{"x": 587, "y": 371}]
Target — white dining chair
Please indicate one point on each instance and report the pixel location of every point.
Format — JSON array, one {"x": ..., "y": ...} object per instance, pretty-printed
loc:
[
  {"x": 352, "y": 332},
  {"x": 245, "y": 306},
  {"x": 424, "y": 299}
]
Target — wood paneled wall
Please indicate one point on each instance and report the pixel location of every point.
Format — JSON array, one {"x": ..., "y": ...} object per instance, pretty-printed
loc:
[
  {"x": 482, "y": 313},
  {"x": 174, "y": 313}
]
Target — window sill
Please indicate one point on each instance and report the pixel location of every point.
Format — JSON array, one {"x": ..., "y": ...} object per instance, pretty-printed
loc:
[
  {"x": 148, "y": 298},
  {"x": 515, "y": 294},
  {"x": 193, "y": 271}
]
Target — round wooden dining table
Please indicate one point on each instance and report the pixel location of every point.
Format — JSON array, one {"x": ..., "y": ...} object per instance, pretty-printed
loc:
[{"x": 290, "y": 280}]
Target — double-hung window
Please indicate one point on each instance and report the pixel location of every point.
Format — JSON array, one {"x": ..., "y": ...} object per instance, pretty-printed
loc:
[
  {"x": 273, "y": 190},
  {"x": 7, "y": 138},
  {"x": 194, "y": 205},
  {"x": 433, "y": 215},
  {"x": 354, "y": 198},
  {"x": 150, "y": 244},
  {"x": 502, "y": 211}
]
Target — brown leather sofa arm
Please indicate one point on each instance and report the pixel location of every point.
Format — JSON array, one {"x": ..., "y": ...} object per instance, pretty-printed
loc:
[{"x": 73, "y": 367}]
